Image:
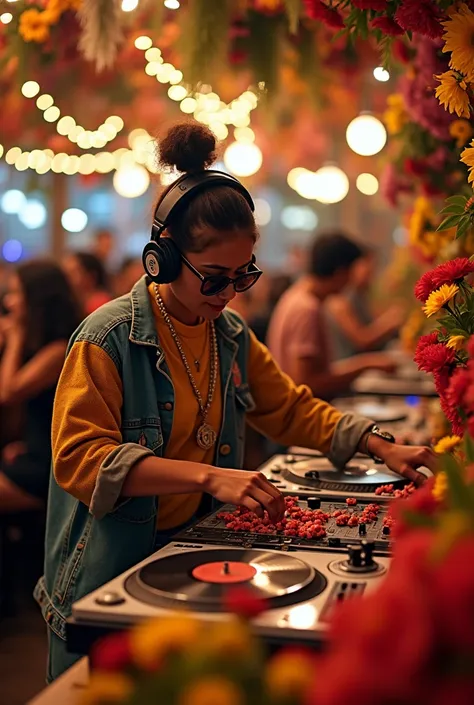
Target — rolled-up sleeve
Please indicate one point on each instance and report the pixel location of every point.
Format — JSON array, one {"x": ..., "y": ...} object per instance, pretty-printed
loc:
[
  {"x": 291, "y": 415},
  {"x": 90, "y": 461}
]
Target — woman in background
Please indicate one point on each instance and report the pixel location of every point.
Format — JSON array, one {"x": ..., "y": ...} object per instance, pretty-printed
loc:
[
  {"x": 88, "y": 278},
  {"x": 354, "y": 328},
  {"x": 42, "y": 313}
]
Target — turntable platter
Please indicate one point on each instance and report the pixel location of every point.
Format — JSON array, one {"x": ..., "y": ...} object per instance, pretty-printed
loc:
[
  {"x": 357, "y": 476},
  {"x": 200, "y": 579}
]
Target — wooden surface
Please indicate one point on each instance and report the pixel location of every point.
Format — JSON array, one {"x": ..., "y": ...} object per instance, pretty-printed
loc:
[{"x": 65, "y": 689}]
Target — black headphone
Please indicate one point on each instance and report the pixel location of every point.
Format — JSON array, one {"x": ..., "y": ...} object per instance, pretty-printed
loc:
[{"x": 161, "y": 257}]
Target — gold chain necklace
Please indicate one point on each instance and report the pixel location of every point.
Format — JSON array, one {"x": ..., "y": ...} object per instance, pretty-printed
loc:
[{"x": 205, "y": 435}]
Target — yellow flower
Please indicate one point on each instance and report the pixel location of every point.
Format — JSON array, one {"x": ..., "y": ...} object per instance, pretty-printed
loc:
[
  {"x": 467, "y": 157},
  {"x": 106, "y": 687},
  {"x": 447, "y": 444},
  {"x": 55, "y": 8},
  {"x": 288, "y": 675},
  {"x": 461, "y": 131},
  {"x": 228, "y": 639},
  {"x": 452, "y": 93},
  {"x": 459, "y": 39},
  {"x": 395, "y": 115},
  {"x": 440, "y": 486},
  {"x": 452, "y": 526},
  {"x": 153, "y": 641},
  {"x": 456, "y": 342},
  {"x": 213, "y": 690},
  {"x": 439, "y": 298},
  {"x": 34, "y": 27}
]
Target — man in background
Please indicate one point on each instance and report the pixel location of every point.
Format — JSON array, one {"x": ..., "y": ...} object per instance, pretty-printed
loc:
[{"x": 298, "y": 335}]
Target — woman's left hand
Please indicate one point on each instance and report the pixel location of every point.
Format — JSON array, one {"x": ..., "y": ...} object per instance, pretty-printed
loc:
[{"x": 405, "y": 460}]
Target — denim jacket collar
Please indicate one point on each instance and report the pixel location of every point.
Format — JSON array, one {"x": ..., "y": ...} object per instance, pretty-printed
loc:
[{"x": 142, "y": 329}]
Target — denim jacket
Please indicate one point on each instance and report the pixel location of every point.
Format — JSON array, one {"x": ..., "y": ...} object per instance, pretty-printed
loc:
[{"x": 88, "y": 546}]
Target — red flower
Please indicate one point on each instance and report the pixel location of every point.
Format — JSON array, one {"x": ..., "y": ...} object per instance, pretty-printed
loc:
[
  {"x": 425, "y": 340},
  {"x": 112, "y": 653},
  {"x": 420, "y": 16},
  {"x": 452, "y": 271},
  {"x": 401, "y": 52},
  {"x": 317, "y": 10},
  {"x": 370, "y": 4},
  {"x": 470, "y": 346},
  {"x": 453, "y": 587},
  {"x": 414, "y": 167},
  {"x": 433, "y": 357},
  {"x": 420, "y": 502},
  {"x": 243, "y": 602},
  {"x": 424, "y": 286},
  {"x": 387, "y": 26},
  {"x": 456, "y": 390},
  {"x": 451, "y": 412}
]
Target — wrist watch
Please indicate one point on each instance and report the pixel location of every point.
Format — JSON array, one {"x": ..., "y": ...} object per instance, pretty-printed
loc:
[{"x": 375, "y": 431}]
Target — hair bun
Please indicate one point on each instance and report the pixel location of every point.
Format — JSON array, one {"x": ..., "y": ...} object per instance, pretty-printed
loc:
[{"x": 188, "y": 146}]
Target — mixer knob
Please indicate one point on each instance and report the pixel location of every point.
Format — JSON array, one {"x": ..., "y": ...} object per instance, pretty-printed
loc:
[
  {"x": 386, "y": 530},
  {"x": 368, "y": 550},
  {"x": 276, "y": 469},
  {"x": 290, "y": 459},
  {"x": 362, "y": 529},
  {"x": 355, "y": 556},
  {"x": 314, "y": 502}
]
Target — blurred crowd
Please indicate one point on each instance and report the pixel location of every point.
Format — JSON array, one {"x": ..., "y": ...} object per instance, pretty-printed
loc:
[{"x": 320, "y": 324}]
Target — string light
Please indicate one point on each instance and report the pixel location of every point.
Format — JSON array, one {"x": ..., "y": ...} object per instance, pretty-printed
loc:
[
  {"x": 171, "y": 4},
  {"x": 30, "y": 89},
  {"x": 45, "y": 101},
  {"x": 129, "y": 5},
  {"x": 6, "y": 17}
]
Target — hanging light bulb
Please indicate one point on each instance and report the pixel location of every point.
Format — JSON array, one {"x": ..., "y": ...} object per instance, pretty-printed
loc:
[
  {"x": 366, "y": 135},
  {"x": 332, "y": 184},
  {"x": 243, "y": 159}
]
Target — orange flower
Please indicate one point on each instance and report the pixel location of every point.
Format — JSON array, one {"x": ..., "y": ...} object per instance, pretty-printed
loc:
[{"x": 34, "y": 26}]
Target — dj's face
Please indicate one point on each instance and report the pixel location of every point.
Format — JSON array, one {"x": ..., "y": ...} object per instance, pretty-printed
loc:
[{"x": 230, "y": 257}]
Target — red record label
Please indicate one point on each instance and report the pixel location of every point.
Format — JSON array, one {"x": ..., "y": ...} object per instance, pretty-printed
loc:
[{"x": 224, "y": 572}]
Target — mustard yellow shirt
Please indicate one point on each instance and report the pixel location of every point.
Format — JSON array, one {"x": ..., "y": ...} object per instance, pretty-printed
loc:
[{"x": 87, "y": 412}]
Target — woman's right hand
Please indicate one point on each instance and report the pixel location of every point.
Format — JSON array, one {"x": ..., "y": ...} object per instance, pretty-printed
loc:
[{"x": 246, "y": 488}]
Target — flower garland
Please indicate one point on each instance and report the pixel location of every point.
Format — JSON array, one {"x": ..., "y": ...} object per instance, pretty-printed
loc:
[{"x": 34, "y": 25}]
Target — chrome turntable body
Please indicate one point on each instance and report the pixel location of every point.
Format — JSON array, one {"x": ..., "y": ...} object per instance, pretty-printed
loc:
[
  {"x": 301, "y": 588},
  {"x": 307, "y": 473}
]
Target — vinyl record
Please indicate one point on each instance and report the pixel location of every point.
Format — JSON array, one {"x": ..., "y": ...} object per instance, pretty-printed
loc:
[
  {"x": 358, "y": 476},
  {"x": 200, "y": 579}
]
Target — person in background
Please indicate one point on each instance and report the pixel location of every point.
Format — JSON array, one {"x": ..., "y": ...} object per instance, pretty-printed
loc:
[
  {"x": 103, "y": 246},
  {"x": 42, "y": 314},
  {"x": 298, "y": 335},
  {"x": 88, "y": 278},
  {"x": 127, "y": 275},
  {"x": 354, "y": 329}
]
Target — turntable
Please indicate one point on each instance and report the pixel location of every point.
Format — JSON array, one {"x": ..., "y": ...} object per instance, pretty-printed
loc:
[
  {"x": 301, "y": 589},
  {"x": 305, "y": 473},
  {"x": 401, "y": 385},
  {"x": 385, "y": 411}
]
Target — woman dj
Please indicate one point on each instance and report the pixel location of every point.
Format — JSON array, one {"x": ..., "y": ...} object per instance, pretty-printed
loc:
[{"x": 157, "y": 387}]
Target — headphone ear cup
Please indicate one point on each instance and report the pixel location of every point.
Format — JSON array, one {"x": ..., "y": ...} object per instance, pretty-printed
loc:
[{"x": 162, "y": 261}]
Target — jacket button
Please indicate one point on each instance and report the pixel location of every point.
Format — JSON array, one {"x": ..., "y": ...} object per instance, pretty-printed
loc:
[
  {"x": 168, "y": 406},
  {"x": 225, "y": 449}
]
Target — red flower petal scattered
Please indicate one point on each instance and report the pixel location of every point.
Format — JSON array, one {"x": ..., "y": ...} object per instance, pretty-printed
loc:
[
  {"x": 433, "y": 357},
  {"x": 420, "y": 16},
  {"x": 452, "y": 271},
  {"x": 387, "y": 26},
  {"x": 424, "y": 286},
  {"x": 317, "y": 10}
]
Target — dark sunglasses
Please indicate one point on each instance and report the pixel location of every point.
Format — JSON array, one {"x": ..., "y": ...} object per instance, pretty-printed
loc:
[{"x": 215, "y": 283}]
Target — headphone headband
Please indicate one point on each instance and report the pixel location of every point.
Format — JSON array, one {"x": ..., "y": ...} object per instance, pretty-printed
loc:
[{"x": 185, "y": 188}]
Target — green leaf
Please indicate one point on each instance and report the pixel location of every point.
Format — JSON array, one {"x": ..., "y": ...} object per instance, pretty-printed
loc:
[
  {"x": 457, "y": 487},
  {"x": 449, "y": 222},
  {"x": 293, "y": 11},
  {"x": 453, "y": 208},
  {"x": 463, "y": 227},
  {"x": 461, "y": 200},
  {"x": 469, "y": 448}
]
